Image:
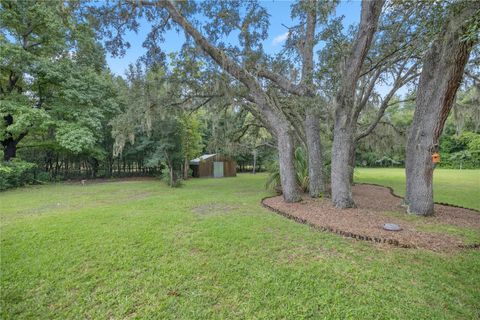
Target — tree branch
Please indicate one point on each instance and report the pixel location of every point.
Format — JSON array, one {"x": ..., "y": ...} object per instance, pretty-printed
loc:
[
  {"x": 282, "y": 82},
  {"x": 472, "y": 76},
  {"x": 380, "y": 113}
]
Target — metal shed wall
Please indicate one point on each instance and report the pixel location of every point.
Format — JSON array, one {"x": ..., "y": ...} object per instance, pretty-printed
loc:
[{"x": 205, "y": 167}]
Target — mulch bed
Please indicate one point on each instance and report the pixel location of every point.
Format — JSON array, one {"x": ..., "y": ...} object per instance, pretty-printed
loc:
[{"x": 366, "y": 221}]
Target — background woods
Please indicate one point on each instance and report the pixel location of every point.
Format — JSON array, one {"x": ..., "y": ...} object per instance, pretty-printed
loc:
[{"x": 373, "y": 93}]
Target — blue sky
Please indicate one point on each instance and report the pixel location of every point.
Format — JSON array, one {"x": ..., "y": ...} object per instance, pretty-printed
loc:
[{"x": 279, "y": 11}]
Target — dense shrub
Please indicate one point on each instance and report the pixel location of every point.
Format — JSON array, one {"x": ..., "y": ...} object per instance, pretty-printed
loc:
[
  {"x": 301, "y": 168},
  {"x": 460, "y": 152},
  {"x": 16, "y": 173}
]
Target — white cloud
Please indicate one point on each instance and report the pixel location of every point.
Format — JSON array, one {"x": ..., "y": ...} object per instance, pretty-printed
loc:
[{"x": 279, "y": 39}]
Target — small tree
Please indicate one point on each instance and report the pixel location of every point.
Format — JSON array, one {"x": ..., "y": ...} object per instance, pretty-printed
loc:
[
  {"x": 151, "y": 116},
  {"x": 191, "y": 139}
]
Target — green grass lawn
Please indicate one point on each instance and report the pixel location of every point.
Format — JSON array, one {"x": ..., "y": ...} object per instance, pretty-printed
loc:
[
  {"x": 458, "y": 187},
  {"x": 139, "y": 250}
]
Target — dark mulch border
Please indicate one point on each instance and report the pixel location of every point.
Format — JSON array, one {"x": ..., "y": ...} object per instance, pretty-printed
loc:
[
  {"x": 400, "y": 197},
  {"x": 337, "y": 231},
  {"x": 380, "y": 240}
]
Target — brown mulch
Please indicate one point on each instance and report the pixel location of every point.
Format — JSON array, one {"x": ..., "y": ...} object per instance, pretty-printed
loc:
[{"x": 366, "y": 221}]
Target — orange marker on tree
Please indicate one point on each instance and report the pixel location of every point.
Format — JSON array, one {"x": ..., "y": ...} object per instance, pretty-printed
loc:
[{"x": 435, "y": 156}]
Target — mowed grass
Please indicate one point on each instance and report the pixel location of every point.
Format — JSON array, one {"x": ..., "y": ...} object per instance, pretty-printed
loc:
[
  {"x": 458, "y": 187},
  {"x": 208, "y": 250}
]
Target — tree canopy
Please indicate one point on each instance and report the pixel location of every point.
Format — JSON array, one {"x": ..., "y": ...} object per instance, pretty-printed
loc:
[{"x": 336, "y": 95}]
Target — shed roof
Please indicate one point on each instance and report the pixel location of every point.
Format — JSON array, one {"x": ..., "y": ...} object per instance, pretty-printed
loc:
[{"x": 201, "y": 158}]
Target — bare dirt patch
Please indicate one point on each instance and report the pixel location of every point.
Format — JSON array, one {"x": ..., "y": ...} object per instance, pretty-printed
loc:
[
  {"x": 106, "y": 180},
  {"x": 374, "y": 207},
  {"x": 214, "y": 209}
]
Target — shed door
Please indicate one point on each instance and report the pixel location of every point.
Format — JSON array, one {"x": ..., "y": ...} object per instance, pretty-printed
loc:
[{"x": 217, "y": 169}]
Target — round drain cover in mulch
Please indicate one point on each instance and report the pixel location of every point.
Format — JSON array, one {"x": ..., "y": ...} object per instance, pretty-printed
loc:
[{"x": 391, "y": 227}]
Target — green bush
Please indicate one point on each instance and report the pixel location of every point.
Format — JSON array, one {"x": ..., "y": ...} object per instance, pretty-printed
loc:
[
  {"x": 460, "y": 152},
  {"x": 165, "y": 177},
  {"x": 301, "y": 168},
  {"x": 16, "y": 173}
]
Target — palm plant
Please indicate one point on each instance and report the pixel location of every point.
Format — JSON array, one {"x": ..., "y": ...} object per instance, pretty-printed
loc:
[{"x": 301, "y": 168}]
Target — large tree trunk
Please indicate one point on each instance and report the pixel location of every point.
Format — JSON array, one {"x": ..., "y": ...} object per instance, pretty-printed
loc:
[
  {"x": 441, "y": 76},
  {"x": 9, "y": 149},
  {"x": 341, "y": 168},
  {"x": 351, "y": 163},
  {"x": 286, "y": 150},
  {"x": 312, "y": 120},
  {"x": 345, "y": 113},
  {"x": 315, "y": 154}
]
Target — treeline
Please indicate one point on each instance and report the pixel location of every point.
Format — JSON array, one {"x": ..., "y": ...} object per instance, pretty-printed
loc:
[
  {"x": 66, "y": 116},
  {"x": 332, "y": 94},
  {"x": 58, "y": 97},
  {"x": 459, "y": 143}
]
